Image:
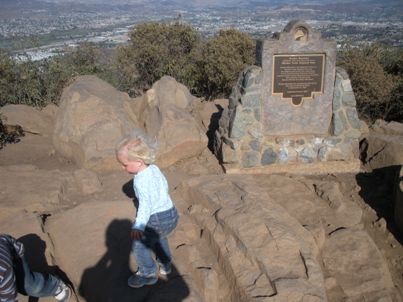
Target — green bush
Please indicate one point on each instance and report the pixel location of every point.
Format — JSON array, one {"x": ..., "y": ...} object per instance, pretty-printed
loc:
[
  {"x": 20, "y": 83},
  {"x": 372, "y": 85},
  {"x": 42, "y": 82},
  {"x": 155, "y": 50},
  {"x": 158, "y": 49},
  {"x": 224, "y": 57}
]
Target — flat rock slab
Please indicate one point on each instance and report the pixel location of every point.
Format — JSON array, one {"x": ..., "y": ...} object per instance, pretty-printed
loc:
[
  {"x": 352, "y": 258},
  {"x": 317, "y": 168},
  {"x": 19, "y": 187}
]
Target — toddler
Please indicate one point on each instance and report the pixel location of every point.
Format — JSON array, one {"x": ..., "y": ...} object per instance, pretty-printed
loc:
[{"x": 156, "y": 216}]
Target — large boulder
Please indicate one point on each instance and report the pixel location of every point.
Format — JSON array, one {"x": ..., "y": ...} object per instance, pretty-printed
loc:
[
  {"x": 165, "y": 115},
  {"x": 384, "y": 145},
  {"x": 172, "y": 93},
  {"x": 92, "y": 118}
]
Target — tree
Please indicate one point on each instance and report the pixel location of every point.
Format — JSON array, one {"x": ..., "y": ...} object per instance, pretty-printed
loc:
[
  {"x": 158, "y": 49},
  {"x": 224, "y": 57}
]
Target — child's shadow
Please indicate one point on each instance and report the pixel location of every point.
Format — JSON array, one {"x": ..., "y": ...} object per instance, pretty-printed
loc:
[
  {"x": 34, "y": 253},
  {"x": 107, "y": 280}
]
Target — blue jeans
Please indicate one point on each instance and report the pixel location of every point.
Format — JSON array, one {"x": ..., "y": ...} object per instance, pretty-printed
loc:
[
  {"x": 154, "y": 238},
  {"x": 34, "y": 284}
]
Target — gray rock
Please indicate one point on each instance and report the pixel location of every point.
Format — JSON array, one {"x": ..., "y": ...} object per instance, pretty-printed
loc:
[
  {"x": 307, "y": 155},
  {"x": 269, "y": 157},
  {"x": 250, "y": 159},
  {"x": 337, "y": 124},
  {"x": 283, "y": 155},
  {"x": 332, "y": 141},
  {"x": 353, "y": 118},
  {"x": 346, "y": 84},
  {"x": 353, "y": 133},
  {"x": 255, "y": 145},
  {"x": 251, "y": 100},
  {"x": 349, "y": 99},
  {"x": 257, "y": 114},
  {"x": 336, "y": 99}
]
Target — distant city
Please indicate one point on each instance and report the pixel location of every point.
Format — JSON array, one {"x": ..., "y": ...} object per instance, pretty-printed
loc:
[{"x": 42, "y": 29}]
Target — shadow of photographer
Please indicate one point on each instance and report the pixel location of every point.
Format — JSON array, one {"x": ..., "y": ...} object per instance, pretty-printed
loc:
[{"x": 107, "y": 280}]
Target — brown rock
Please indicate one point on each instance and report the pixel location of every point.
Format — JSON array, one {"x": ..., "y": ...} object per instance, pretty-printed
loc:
[
  {"x": 92, "y": 118},
  {"x": 351, "y": 257},
  {"x": 30, "y": 119}
]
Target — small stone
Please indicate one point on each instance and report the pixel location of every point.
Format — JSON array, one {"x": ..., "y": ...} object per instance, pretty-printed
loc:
[
  {"x": 346, "y": 84},
  {"x": 307, "y": 155},
  {"x": 283, "y": 156},
  {"x": 353, "y": 119},
  {"x": 257, "y": 114},
  {"x": 349, "y": 99},
  {"x": 337, "y": 124},
  {"x": 381, "y": 224},
  {"x": 250, "y": 159},
  {"x": 332, "y": 141},
  {"x": 300, "y": 141},
  {"x": 269, "y": 157},
  {"x": 336, "y": 99},
  {"x": 255, "y": 145},
  {"x": 251, "y": 100},
  {"x": 341, "y": 72},
  {"x": 255, "y": 132},
  {"x": 353, "y": 133}
]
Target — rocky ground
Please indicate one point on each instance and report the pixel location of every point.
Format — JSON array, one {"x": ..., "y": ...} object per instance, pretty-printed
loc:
[
  {"x": 243, "y": 237},
  {"x": 240, "y": 237}
]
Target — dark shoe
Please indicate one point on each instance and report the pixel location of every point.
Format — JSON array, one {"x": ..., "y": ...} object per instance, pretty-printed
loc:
[{"x": 137, "y": 280}]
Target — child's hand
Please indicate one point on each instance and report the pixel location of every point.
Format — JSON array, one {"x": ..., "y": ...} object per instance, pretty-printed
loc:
[{"x": 136, "y": 234}]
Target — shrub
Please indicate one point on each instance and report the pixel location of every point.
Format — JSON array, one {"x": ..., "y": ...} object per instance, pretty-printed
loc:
[
  {"x": 40, "y": 83},
  {"x": 158, "y": 49},
  {"x": 372, "y": 85},
  {"x": 20, "y": 83},
  {"x": 224, "y": 56}
]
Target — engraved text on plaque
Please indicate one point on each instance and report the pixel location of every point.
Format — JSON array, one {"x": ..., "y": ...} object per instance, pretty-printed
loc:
[{"x": 298, "y": 77}]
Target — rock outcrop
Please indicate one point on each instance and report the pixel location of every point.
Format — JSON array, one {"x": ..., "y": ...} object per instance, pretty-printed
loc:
[
  {"x": 165, "y": 115},
  {"x": 383, "y": 145},
  {"x": 92, "y": 118}
]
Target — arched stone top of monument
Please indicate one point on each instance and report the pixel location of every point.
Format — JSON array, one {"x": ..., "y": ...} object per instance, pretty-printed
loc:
[
  {"x": 298, "y": 30},
  {"x": 298, "y": 68}
]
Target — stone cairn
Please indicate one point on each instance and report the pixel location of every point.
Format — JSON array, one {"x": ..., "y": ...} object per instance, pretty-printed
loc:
[{"x": 294, "y": 108}]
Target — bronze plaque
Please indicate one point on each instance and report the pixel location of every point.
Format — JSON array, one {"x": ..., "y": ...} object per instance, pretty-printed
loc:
[{"x": 298, "y": 77}]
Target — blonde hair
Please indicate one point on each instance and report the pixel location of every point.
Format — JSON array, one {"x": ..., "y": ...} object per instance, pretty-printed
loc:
[{"x": 136, "y": 146}]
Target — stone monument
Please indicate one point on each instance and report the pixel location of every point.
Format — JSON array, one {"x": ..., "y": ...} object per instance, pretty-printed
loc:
[{"x": 294, "y": 112}]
